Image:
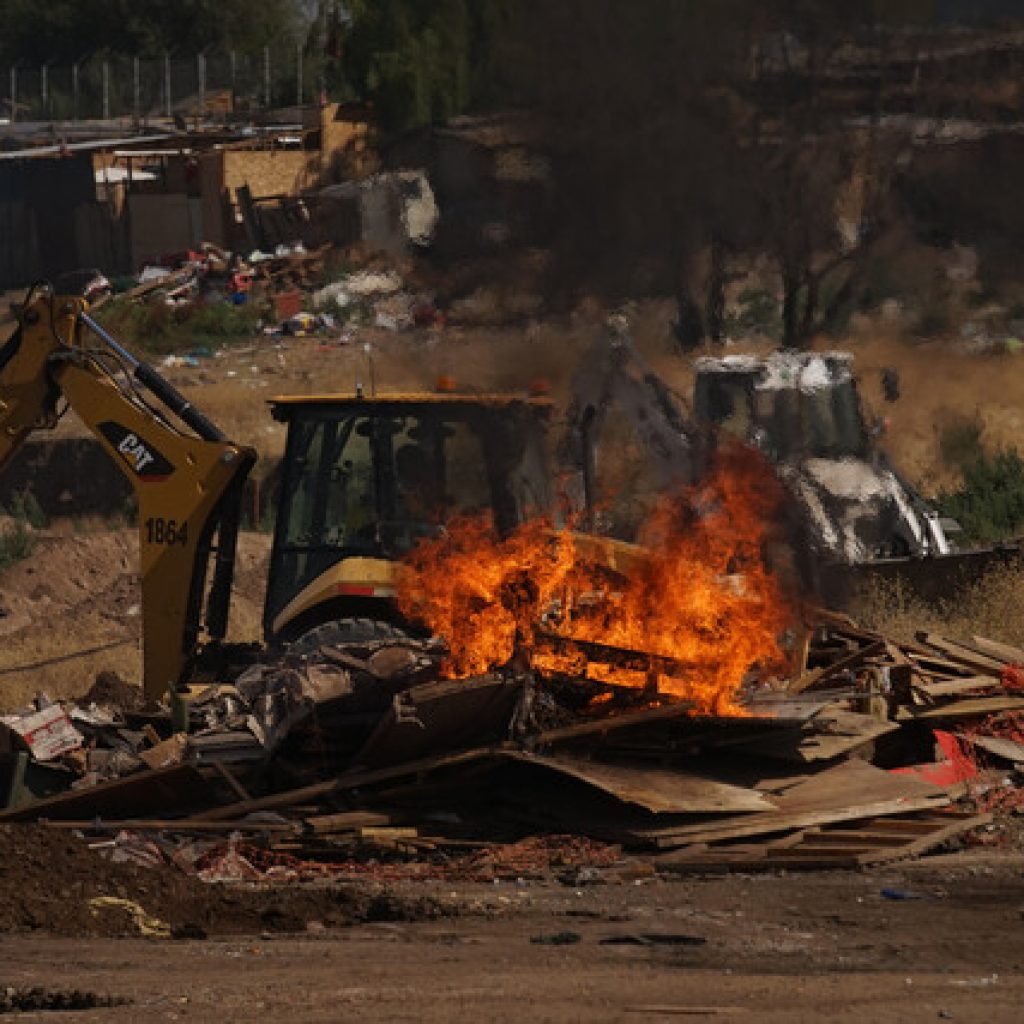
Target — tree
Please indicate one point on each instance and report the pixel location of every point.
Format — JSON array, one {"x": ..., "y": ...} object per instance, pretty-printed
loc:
[
  {"x": 421, "y": 61},
  {"x": 63, "y": 31},
  {"x": 685, "y": 131}
]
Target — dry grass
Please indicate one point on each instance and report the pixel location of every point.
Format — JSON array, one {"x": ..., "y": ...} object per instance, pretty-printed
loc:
[{"x": 992, "y": 607}]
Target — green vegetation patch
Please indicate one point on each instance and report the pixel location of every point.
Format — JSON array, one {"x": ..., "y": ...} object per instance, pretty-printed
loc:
[{"x": 163, "y": 330}]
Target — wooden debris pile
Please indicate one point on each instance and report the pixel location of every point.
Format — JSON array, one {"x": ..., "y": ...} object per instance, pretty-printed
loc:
[{"x": 360, "y": 759}]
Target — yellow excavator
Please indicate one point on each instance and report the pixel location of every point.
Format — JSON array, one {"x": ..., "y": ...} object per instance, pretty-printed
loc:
[
  {"x": 188, "y": 482},
  {"x": 363, "y": 479}
]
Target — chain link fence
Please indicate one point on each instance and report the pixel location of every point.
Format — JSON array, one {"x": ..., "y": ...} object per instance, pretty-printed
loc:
[{"x": 143, "y": 88}]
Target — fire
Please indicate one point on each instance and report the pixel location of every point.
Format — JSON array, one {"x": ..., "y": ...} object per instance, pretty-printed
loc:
[{"x": 700, "y": 602}]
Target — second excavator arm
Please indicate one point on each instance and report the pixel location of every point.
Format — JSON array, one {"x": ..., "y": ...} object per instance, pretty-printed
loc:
[
  {"x": 188, "y": 483},
  {"x": 612, "y": 377}
]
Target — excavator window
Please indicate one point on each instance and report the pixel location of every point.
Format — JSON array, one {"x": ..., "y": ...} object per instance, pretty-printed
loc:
[{"x": 372, "y": 481}]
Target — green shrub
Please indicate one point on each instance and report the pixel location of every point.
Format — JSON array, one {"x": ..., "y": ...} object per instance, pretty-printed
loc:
[
  {"x": 758, "y": 312},
  {"x": 26, "y": 509},
  {"x": 163, "y": 329},
  {"x": 16, "y": 544},
  {"x": 990, "y": 504}
]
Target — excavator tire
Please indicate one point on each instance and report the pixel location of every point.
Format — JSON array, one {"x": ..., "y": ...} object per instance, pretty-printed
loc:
[{"x": 339, "y": 632}]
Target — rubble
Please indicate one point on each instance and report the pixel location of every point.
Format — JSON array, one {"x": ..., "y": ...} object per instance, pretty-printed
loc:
[
  {"x": 387, "y": 760},
  {"x": 290, "y": 292}
]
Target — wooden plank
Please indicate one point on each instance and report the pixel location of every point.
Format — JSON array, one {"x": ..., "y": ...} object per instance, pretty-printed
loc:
[
  {"x": 850, "y": 731},
  {"x": 849, "y": 791},
  {"x": 958, "y": 825},
  {"x": 175, "y": 825},
  {"x": 657, "y": 790},
  {"x": 670, "y": 1010},
  {"x": 827, "y": 671},
  {"x": 346, "y": 821},
  {"x": 1007, "y": 750},
  {"x": 954, "y": 687},
  {"x": 387, "y": 833},
  {"x": 341, "y": 783},
  {"x": 611, "y": 723},
  {"x": 233, "y": 784},
  {"x": 853, "y": 836},
  {"x": 919, "y": 824},
  {"x": 766, "y": 824},
  {"x": 960, "y": 654},
  {"x": 937, "y": 666},
  {"x": 179, "y": 785},
  {"x": 431, "y": 719},
  {"x": 818, "y": 850},
  {"x": 995, "y": 649},
  {"x": 972, "y": 708},
  {"x": 812, "y": 852}
]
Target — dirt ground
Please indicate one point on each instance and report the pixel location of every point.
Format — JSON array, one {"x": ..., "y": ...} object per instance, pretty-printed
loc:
[
  {"x": 778, "y": 948},
  {"x": 942, "y": 380},
  {"x": 73, "y": 609}
]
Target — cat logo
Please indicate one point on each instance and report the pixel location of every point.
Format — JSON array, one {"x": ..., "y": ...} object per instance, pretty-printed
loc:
[{"x": 144, "y": 460}]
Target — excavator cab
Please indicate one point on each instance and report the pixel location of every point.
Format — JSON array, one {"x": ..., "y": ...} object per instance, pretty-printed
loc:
[
  {"x": 365, "y": 478},
  {"x": 792, "y": 405}
]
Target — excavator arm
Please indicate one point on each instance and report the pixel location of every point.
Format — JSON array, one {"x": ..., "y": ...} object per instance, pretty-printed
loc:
[
  {"x": 188, "y": 483},
  {"x": 613, "y": 376}
]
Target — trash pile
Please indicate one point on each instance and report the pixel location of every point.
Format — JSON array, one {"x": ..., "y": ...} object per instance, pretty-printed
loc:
[
  {"x": 211, "y": 274},
  {"x": 289, "y": 290},
  {"x": 360, "y": 759}
]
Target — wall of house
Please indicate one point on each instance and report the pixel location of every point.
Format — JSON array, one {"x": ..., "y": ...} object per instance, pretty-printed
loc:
[
  {"x": 163, "y": 224},
  {"x": 39, "y": 218},
  {"x": 269, "y": 172}
]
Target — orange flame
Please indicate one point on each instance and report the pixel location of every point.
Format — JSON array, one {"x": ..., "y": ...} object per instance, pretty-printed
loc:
[{"x": 700, "y": 598}]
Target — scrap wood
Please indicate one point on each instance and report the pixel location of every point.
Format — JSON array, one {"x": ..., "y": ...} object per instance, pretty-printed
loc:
[
  {"x": 853, "y": 660},
  {"x": 955, "y": 687},
  {"x": 345, "y": 821},
  {"x": 654, "y": 789},
  {"x": 179, "y": 786},
  {"x": 611, "y": 723},
  {"x": 972, "y": 707},
  {"x": 671, "y": 1010},
  {"x": 832, "y": 733},
  {"x": 1006, "y": 653},
  {"x": 847, "y": 791},
  {"x": 341, "y": 783},
  {"x": 961, "y": 655},
  {"x": 850, "y": 844},
  {"x": 172, "y": 825},
  {"x": 431, "y": 718},
  {"x": 997, "y": 746},
  {"x": 770, "y": 824}
]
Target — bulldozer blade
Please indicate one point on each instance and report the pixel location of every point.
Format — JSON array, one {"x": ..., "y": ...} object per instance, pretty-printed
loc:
[{"x": 930, "y": 580}]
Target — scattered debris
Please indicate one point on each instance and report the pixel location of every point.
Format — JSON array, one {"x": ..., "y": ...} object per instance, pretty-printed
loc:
[{"x": 393, "y": 773}]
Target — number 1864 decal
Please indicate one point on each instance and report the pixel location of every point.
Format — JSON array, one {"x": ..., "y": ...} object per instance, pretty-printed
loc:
[{"x": 165, "y": 531}]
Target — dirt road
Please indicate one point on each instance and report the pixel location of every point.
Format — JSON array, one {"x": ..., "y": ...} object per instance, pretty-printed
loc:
[{"x": 822, "y": 947}]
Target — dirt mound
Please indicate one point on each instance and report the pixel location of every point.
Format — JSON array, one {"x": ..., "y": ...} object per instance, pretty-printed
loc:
[
  {"x": 110, "y": 690},
  {"x": 51, "y": 881}
]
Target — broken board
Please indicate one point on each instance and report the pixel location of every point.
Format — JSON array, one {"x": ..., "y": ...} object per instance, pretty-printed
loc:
[
  {"x": 850, "y": 790},
  {"x": 849, "y": 844},
  {"x": 654, "y": 789}
]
